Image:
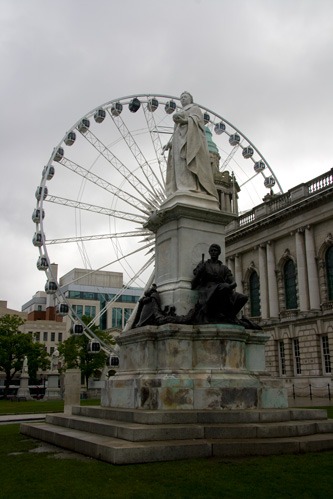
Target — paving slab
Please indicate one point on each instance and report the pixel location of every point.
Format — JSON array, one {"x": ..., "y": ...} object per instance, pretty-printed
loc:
[{"x": 18, "y": 418}]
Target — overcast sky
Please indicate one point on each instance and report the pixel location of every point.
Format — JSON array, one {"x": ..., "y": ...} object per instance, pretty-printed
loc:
[{"x": 265, "y": 65}]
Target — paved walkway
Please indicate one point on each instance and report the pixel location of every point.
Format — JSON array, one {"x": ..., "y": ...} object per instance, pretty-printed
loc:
[{"x": 19, "y": 418}]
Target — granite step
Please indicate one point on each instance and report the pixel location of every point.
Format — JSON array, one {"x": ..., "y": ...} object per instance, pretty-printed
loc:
[
  {"x": 127, "y": 430},
  {"x": 200, "y": 416},
  {"x": 119, "y": 451},
  {"x": 115, "y": 450},
  {"x": 143, "y": 432}
]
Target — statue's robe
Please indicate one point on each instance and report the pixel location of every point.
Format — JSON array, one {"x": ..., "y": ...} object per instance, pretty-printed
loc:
[{"x": 189, "y": 167}]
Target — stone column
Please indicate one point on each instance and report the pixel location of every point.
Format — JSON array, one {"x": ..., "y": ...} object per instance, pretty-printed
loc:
[
  {"x": 72, "y": 389},
  {"x": 234, "y": 196},
  {"x": 231, "y": 264},
  {"x": 272, "y": 284},
  {"x": 263, "y": 282},
  {"x": 227, "y": 202},
  {"x": 238, "y": 273},
  {"x": 302, "y": 271},
  {"x": 313, "y": 278}
]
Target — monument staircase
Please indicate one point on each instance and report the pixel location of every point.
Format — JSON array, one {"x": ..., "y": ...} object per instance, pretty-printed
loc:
[{"x": 128, "y": 436}]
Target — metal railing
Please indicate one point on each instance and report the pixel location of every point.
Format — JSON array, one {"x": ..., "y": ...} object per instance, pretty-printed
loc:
[{"x": 309, "y": 391}]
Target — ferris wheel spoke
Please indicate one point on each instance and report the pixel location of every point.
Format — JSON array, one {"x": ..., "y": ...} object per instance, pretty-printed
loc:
[
  {"x": 230, "y": 156},
  {"x": 146, "y": 246},
  {"x": 148, "y": 172},
  {"x": 248, "y": 180},
  {"x": 98, "y": 237},
  {"x": 84, "y": 255},
  {"x": 116, "y": 191},
  {"x": 96, "y": 209},
  {"x": 156, "y": 141},
  {"x": 128, "y": 175}
]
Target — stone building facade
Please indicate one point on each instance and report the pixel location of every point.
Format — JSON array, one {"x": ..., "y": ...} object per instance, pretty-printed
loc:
[{"x": 281, "y": 254}]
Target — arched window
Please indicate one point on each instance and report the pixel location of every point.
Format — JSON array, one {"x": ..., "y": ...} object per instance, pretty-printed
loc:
[
  {"x": 290, "y": 284},
  {"x": 329, "y": 271},
  {"x": 255, "y": 295}
]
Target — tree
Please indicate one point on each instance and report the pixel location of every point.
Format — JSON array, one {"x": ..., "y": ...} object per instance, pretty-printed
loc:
[
  {"x": 14, "y": 346},
  {"x": 75, "y": 353}
]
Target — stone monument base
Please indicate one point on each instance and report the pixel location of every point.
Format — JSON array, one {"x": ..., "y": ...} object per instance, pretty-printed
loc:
[
  {"x": 193, "y": 367},
  {"x": 72, "y": 389},
  {"x": 23, "y": 391},
  {"x": 52, "y": 391}
]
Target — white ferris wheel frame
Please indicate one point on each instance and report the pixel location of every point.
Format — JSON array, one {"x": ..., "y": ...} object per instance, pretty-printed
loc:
[{"x": 146, "y": 200}]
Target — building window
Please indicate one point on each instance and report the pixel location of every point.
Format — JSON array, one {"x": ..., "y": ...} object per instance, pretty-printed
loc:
[
  {"x": 329, "y": 271},
  {"x": 45, "y": 336},
  {"x": 37, "y": 336},
  {"x": 297, "y": 357},
  {"x": 127, "y": 314},
  {"x": 52, "y": 336},
  {"x": 127, "y": 298},
  {"x": 90, "y": 311},
  {"x": 51, "y": 350},
  {"x": 255, "y": 295},
  {"x": 78, "y": 309},
  {"x": 290, "y": 285},
  {"x": 326, "y": 355},
  {"x": 117, "y": 318},
  {"x": 103, "y": 316},
  {"x": 39, "y": 308},
  {"x": 60, "y": 337},
  {"x": 282, "y": 358}
]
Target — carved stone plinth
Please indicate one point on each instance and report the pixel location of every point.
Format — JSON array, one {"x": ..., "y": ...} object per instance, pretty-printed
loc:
[
  {"x": 24, "y": 391},
  {"x": 185, "y": 227},
  {"x": 52, "y": 391},
  {"x": 193, "y": 367},
  {"x": 72, "y": 389}
]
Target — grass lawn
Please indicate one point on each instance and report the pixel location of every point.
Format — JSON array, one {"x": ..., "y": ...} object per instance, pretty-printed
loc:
[
  {"x": 38, "y": 406},
  {"x": 42, "y": 475}
]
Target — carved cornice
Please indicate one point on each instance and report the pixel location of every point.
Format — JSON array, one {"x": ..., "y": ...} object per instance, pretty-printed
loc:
[{"x": 161, "y": 217}]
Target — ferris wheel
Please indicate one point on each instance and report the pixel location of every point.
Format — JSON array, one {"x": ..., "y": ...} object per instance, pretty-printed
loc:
[{"x": 107, "y": 176}]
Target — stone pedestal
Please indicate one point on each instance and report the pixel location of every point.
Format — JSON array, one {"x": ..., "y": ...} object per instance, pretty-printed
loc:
[
  {"x": 193, "y": 367},
  {"x": 185, "y": 227},
  {"x": 72, "y": 389},
  {"x": 52, "y": 391},
  {"x": 24, "y": 391}
]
